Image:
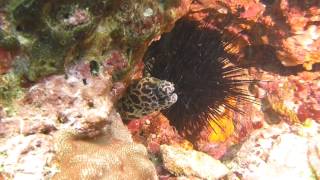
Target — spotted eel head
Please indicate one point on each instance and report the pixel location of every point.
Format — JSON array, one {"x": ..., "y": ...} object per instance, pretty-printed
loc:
[{"x": 146, "y": 96}]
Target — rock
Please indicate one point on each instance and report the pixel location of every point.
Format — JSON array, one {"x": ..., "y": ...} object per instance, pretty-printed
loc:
[
  {"x": 278, "y": 152},
  {"x": 191, "y": 163},
  {"x": 27, "y": 157}
]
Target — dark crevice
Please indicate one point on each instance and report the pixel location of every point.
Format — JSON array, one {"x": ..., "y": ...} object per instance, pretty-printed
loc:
[{"x": 264, "y": 57}]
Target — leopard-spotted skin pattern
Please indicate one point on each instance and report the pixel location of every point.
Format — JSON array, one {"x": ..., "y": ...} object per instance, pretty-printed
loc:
[{"x": 146, "y": 96}]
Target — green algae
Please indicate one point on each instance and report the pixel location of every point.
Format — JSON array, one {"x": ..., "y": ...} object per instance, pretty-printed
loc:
[
  {"x": 10, "y": 88},
  {"x": 7, "y": 41},
  {"x": 52, "y": 31}
]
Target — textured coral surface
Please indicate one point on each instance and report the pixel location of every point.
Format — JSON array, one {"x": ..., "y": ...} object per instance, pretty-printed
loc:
[
  {"x": 290, "y": 28},
  {"x": 106, "y": 158}
]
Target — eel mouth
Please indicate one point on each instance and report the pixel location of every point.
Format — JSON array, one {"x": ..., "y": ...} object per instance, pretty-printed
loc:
[
  {"x": 170, "y": 97},
  {"x": 173, "y": 95},
  {"x": 167, "y": 94},
  {"x": 170, "y": 100},
  {"x": 166, "y": 89}
]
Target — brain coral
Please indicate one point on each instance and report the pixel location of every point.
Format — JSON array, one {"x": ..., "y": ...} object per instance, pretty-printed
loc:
[{"x": 102, "y": 158}]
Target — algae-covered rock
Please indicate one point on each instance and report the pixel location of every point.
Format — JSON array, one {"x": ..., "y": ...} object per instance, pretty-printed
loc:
[
  {"x": 51, "y": 35},
  {"x": 7, "y": 41},
  {"x": 48, "y": 31},
  {"x": 54, "y": 33},
  {"x": 9, "y": 88}
]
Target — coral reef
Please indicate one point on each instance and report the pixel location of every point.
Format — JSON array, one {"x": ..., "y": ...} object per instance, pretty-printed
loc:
[
  {"x": 293, "y": 98},
  {"x": 302, "y": 46},
  {"x": 155, "y": 130},
  {"x": 64, "y": 65},
  {"x": 289, "y": 28}
]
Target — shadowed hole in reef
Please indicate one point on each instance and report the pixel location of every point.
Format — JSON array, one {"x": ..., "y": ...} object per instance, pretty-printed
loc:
[
  {"x": 264, "y": 57},
  {"x": 94, "y": 67},
  {"x": 195, "y": 58}
]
